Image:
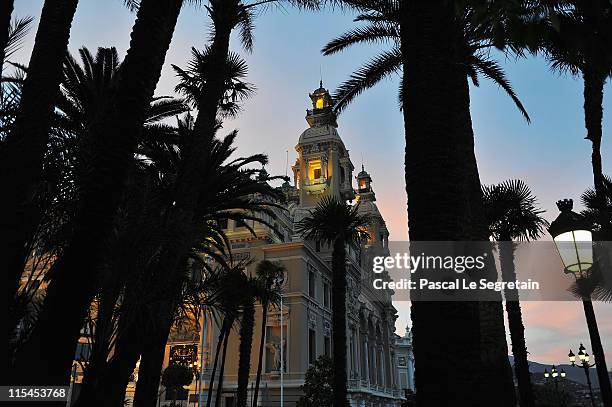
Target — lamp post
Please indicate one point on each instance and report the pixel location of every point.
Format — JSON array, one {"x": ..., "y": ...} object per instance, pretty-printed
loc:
[
  {"x": 555, "y": 374},
  {"x": 280, "y": 281},
  {"x": 585, "y": 364},
  {"x": 574, "y": 241}
]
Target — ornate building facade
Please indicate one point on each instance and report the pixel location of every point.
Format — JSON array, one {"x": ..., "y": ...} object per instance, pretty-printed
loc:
[{"x": 301, "y": 330}]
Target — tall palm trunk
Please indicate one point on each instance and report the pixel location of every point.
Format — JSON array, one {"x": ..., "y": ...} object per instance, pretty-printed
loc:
[
  {"x": 262, "y": 343},
  {"x": 515, "y": 325},
  {"x": 339, "y": 322},
  {"x": 147, "y": 387},
  {"x": 21, "y": 154},
  {"x": 221, "y": 339},
  {"x": 436, "y": 201},
  {"x": 188, "y": 183},
  {"x": 52, "y": 343},
  {"x": 101, "y": 347},
  {"x": 222, "y": 370},
  {"x": 439, "y": 186},
  {"x": 244, "y": 362},
  {"x": 6, "y": 10},
  {"x": 598, "y": 353},
  {"x": 106, "y": 385},
  {"x": 593, "y": 116},
  {"x": 495, "y": 369}
]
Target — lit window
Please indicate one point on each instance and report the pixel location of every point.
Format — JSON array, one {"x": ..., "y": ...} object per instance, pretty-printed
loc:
[{"x": 320, "y": 103}]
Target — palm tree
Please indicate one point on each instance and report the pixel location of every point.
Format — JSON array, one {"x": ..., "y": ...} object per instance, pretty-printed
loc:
[
  {"x": 21, "y": 153},
  {"x": 213, "y": 82},
  {"x": 227, "y": 301},
  {"x": 438, "y": 46},
  {"x": 339, "y": 225},
  {"x": 269, "y": 273},
  {"x": 114, "y": 136},
  {"x": 85, "y": 86},
  {"x": 233, "y": 192},
  {"x": 577, "y": 43},
  {"x": 381, "y": 25},
  {"x": 512, "y": 214},
  {"x": 261, "y": 290}
]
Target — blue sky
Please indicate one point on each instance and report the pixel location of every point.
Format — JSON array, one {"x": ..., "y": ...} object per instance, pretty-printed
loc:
[{"x": 550, "y": 155}]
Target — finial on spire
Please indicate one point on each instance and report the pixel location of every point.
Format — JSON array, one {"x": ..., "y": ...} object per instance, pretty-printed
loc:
[{"x": 321, "y": 76}]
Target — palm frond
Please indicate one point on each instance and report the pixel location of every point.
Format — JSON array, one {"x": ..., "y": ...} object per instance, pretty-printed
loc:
[
  {"x": 492, "y": 70},
  {"x": 18, "y": 30},
  {"x": 366, "y": 77},
  {"x": 379, "y": 33}
]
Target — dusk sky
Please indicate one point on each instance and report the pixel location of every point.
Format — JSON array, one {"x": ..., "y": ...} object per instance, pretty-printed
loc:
[{"x": 550, "y": 154}]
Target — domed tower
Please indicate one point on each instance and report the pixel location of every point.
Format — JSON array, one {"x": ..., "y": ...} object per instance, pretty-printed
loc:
[{"x": 323, "y": 167}]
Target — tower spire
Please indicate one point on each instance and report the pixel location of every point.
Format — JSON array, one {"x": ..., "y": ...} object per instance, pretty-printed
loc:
[{"x": 321, "y": 76}]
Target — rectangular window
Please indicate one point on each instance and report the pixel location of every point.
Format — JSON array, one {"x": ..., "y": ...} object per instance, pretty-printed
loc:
[
  {"x": 401, "y": 361},
  {"x": 326, "y": 295},
  {"x": 327, "y": 345},
  {"x": 311, "y": 284},
  {"x": 312, "y": 346},
  {"x": 317, "y": 173}
]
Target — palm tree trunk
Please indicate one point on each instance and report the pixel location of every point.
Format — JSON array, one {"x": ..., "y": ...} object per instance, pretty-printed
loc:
[
  {"x": 246, "y": 342},
  {"x": 152, "y": 359},
  {"x": 593, "y": 116},
  {"x": 21, "y": 155},
  {"x": 222, "y": 370},
  {"x": 262, "y": 343},
  {"x": 598, "y": 353},
  {"x": 515, "y": 325},
  {"x": 100, "y": 349},
  {"x": 339, "y": 322},
  {"x": 51, "y": 346},
  {"x": 445, "y": 333},
  {"x": 443, "y": 198},
  {"x": 107, "y": 388},
  {"x": 188, "y": 185},
  {"x": 224, "y": 331},
  {"x": 6, "y": 10},
  {"x": 495, "y": 369}
]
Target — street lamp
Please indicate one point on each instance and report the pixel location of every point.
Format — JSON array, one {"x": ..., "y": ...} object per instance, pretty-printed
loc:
[
  {"x": 584, "y": 360},
  {"x": 555, "y": 374},
  {"x": 573, "y": 239}
]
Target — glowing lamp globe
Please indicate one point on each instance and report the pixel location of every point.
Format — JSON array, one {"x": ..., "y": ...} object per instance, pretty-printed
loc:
[
  {"x": 573, "y": 239},
  {"x": 572, "y": 357}
]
